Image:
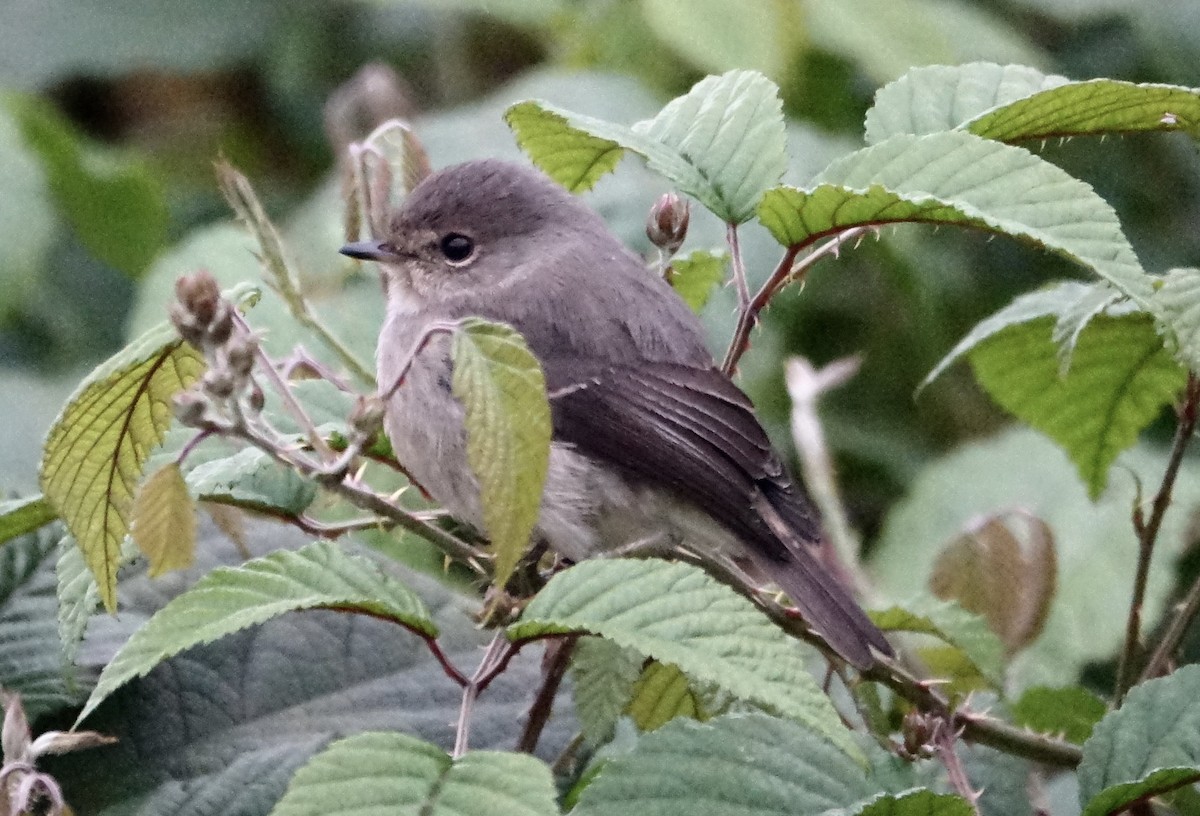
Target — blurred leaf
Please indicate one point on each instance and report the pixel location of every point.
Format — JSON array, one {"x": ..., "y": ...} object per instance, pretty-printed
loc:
[
  {"x": 1012, "y": 103},
  {"x": 116, "y": 205},
  {"x": 1071, "y": 711},
  {"x": 603, "y": 676},
  {"x": 719, "y": 35},
  {"x": 723, "y": 142},
  {"x": 21, "y": 516},
  {"x": 1121, "y": 378},
  {"x": 27, "y": 217},
  {"x": 947, "y": 621},
  {"x": 1177, "y": 306},
  {"x": 252, "y": 479},
  {"x": 695, "y": 276},
  {"x": 233, "y": 598},
  {"x": 396, "y": 773},
  {"x": 501, "y": 386},
  {"x": 95, "y": 451},
  {"x": 957, "y": 178},
  {"x": 31, "y": 655},
  {"x": 736, "y": 764},
  {"x": 678, "y": 614},
  {"x": 1007, "y": 577},
  {"x": 660, "y": 695},
  {"x": 915, "y": 803},
  {"x": 163, "y": 521},
  {"x": 1148, "y": 746},
  {"x": 886, "y": 38},
  {"x": 1097, "y": 549}
]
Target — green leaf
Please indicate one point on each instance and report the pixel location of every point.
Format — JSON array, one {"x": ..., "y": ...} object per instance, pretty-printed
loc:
[
  {"x": 1004, "y": 568},
  {"x": 736, "y": 764},
  {"x": 722, "y": 143},
  {"x": 1121, "y": 377},
  {"x": 949, "y": 622},
  {"x": 761, "y": 36},
  {"x": 501, "y": 386},
  {"x": 695, "y": 276},
  {"x": 962, "y": 179},
  {"x": 1177, "y": 306},
  {"x": 78, "y": 595},
  {"x": 163, "y": 521},
  {"x": 678, "y": 614},
  {"x": 253, "y": 480},
  {"x": 915, "y": 803},
  {"x": 28, "y": 220},
  {"x": 1069, "y": 301},
  {"x": 1148, "y": 746},
  {"x": 603, "y": 676},
  {"x": 383, "y": 772},
  {"x": 21, "y": 516},
  {"x": 660, "y": 695},
  {"x": 233, "y": 598},
  {"x": 116, "y": 205},
  {"x": 1071, "y": 711},
  {"x": 96, "y": 448}
]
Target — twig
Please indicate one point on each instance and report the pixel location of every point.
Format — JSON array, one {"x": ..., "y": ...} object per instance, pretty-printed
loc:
[
  {"x": 499, "y": 652},
  {"x": 1147, "y": 533},
  {"x": 944, "y": 738},
  {"x": 739, "y": 267},
  {"x": 788, "y": 270},
  {"x": 554, "y": 668},
  {"x": 1174, "y": 635}
]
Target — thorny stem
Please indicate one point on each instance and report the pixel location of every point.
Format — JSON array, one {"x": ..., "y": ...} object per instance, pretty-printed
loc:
[
  {"x": 499, "y": 652},
  {"x": 944, "y": 738},
  {"x": 1147, "y": 533},
  {"x": 554, "y": 668},
  {"x": 788, "y": 269},
  {"x": 1174, "y": 634},
  {"x": 739, "y": 267}
]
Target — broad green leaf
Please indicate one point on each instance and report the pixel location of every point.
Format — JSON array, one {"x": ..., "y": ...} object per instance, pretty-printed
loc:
[
  {"x": 114, "y": 202},
  {"x": 21, "y": 516},
  {"x": 723, "y": 142},
  {"x": 761, "y": 36},
  {"x": 163, "y": 521},
  {"x": 28, "y": 220},
  {"x": 1071, "y": 711},
  {"x": 1148, "y": 746},
  {"x": 948, "y": 622},
  {"x": 31, "y": 655},
  {"x": 96, "y": 448},
  {"x": 736, "y": 764},
  {"x": 252, "y": 479},
  {"x": 660, "y": 695},
  {"x": 233, "y": 598},
  {"x": 932, "y": 98},
  {"x": 678, "y": 614},
  {"x": 78, "y": 595},
  {"x": 695, "y": 276},
  {"x": 501, "y": 386},
  {"x": 1004, "y": 568},
  {"x": 884, "y": 39},
  {"x": 1062, "y": 300},
  {"x": 388, "y": 772},
  {"x": 962, "y": 179},
  {"x": 915, "y": 803},
  {"x": 1121, "y": 378},
  {"x": 603, "y": 676},
  {"x": 1177, "y": 305}
]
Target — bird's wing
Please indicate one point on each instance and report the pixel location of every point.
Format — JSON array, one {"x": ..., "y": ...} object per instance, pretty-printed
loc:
[{"x": 693, "y": 430}]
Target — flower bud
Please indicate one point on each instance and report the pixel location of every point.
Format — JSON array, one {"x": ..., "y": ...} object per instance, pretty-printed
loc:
[
  {"x": 367, "y": 416},
  {"x": 218, "y": 383},
  {"x": 221, "y": 325},
  {"x": 199, "y": 295},
  {"x": 190, "y": 408},
  {"x": 668, "y": 222},
  {"x": 240, "y": 353}
]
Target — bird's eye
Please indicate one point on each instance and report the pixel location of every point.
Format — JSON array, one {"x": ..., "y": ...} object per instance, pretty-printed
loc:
[{"x": 457, "y": 247}]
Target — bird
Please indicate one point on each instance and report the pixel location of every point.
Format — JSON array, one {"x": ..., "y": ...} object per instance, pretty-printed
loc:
[{"x": 653, "y": 446}]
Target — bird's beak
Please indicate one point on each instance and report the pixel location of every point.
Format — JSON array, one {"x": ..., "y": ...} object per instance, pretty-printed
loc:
[{"x": 369, "y": 251}]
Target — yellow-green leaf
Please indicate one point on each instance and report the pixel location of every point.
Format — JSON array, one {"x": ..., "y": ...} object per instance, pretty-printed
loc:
[
  {"x": 660, "y": 695},
  {"x": 694, "y": 277},
  {"x": 96, "y": 449},
  {"x": 501, "y": 385},
  {"x": 164, "y": 521}
]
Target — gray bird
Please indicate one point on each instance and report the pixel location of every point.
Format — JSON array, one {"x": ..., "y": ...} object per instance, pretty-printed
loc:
[{"x": 653, "y": 446}]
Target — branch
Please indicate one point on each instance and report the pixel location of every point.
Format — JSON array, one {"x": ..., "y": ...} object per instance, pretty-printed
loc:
[
  {"x": 554, "y": 668},
  {"x": 1147, "y": 532}
]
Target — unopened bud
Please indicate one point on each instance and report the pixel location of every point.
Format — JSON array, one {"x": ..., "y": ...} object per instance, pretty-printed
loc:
[
  {"x": 255, "y": 399},
  {"x": 240, "y": 353},
  {"x": 668, "y": 222},
  {"x": 199, "y": 295},
  {"x": 219, "y": 384},
  {"x": 918, "y": 730},
  {"x": 367, "y": 416},
  {"x": 221, "y": 325},
  {"x": 190, "y": 408},
  {"x": 185, "y": 323}
]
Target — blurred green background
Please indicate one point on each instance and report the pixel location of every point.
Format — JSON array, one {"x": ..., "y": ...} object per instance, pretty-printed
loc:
[{"x": 112, "y": 113}]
